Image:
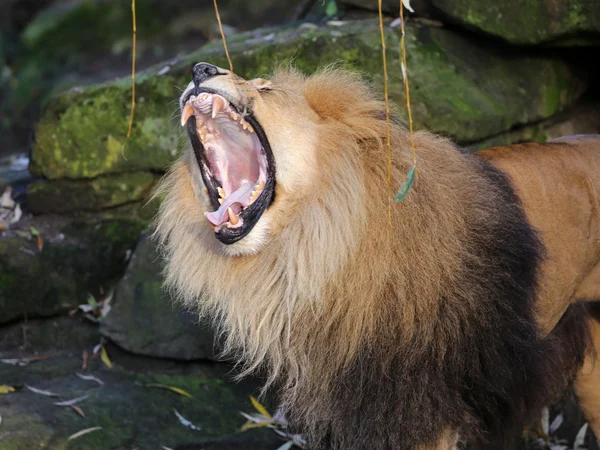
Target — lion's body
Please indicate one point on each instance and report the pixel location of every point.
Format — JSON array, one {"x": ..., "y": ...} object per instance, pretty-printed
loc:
[{"x": 434, "y": 328}]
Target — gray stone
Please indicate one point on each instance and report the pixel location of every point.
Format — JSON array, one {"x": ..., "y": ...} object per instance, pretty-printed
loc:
[
  {"x": 79, "y": 257},
  {"x": 145, "y": 320},
  {"x": 131, "y": 412}
]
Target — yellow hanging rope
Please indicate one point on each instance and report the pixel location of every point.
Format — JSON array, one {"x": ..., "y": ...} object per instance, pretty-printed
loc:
[
  {"x": 132, "y": 80},
  {"x": 387, "y": 113},
  {"x": 223, "y": 35}
]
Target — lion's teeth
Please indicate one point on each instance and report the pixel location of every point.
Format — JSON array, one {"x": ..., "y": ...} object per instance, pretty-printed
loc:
[
  {"x": 260, "y": 185},
  {"x": 232, "y": 217},
  {"x": 217, "y": 105},
  {"x": 234, "y": 116},
  {"x": 221, "y": 200},
  {"x": 221, "y": 192},
  {"x": 254, "y": 196},
  {"x": 188, "y": 111}
]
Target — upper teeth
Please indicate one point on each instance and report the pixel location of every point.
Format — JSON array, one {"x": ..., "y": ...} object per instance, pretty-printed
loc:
[{"x": 218, "y": 104}]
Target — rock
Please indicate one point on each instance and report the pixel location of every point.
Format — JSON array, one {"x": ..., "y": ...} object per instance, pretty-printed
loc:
[
  {"x": 145, "y": 320},
  {"x": 62, "y": 196},
  {"x": 582, "y": 119},
  {"x": 559, "y": 22},
  {"x": 132, "y": 414},
  {"x": 459, "y": 87},
  {"x": 79, "y": 257}
]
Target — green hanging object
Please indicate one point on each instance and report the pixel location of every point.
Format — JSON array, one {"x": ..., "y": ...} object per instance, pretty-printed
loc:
[
  {"x": 331, "y": 8},
  {"x": 406, "y": 185}
]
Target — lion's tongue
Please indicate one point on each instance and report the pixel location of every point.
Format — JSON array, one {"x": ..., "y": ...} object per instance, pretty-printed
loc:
[{"x": 236, "y": 201}]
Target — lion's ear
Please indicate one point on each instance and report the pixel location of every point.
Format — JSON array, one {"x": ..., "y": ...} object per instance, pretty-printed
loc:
[{"x": 261, "y": 84}]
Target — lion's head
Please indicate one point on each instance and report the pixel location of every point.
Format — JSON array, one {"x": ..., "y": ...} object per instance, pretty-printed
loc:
[{"x": 256, "y": 142}]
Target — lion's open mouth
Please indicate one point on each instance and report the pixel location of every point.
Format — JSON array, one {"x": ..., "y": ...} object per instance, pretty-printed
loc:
[{"x": 235, "y": 160}]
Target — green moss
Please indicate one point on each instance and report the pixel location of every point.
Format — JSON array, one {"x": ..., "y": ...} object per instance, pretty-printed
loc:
[{"x": 459, "y": 88}]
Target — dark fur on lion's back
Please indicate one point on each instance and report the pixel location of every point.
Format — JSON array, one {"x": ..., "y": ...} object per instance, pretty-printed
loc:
[{"x": 486, "y": 383}]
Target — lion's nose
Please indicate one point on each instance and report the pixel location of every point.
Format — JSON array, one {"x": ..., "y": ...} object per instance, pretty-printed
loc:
[{"x": 203, "y": 71}]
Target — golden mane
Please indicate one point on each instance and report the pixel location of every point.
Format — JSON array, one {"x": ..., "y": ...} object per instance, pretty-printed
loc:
[{"x": 338, "y": 289}]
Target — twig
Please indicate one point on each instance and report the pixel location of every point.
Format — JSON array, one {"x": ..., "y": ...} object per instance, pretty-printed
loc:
[
  {"x": 223, "y": 35},
  {"x": 132, "y": 80},
  {"x": 387, "y": 113}
]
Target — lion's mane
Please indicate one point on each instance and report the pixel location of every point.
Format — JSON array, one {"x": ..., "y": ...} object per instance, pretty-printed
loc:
[{"x": 377, "y": 334}]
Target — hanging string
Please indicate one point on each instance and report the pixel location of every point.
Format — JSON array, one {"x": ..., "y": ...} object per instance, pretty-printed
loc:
[
  {"x": 223, "y": 35},
  {"x": 132, "y": 80},
  {"x": 387, "y": 114}
]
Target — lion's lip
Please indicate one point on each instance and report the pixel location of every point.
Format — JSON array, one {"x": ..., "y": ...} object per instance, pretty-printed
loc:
[{"x": 235, "y": 160}]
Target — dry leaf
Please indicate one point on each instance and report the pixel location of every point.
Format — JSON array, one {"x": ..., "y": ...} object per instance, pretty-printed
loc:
[
  {"x": 85, "y": 356},
  {"x": 286, "y": 446},
  {"x": 105, "y": 359},
  {"x": 260, "y": 408},
  {"x": 90, "y": 378},
  {"x": 250, "y": 425},
  {"x": 83, "y": 432},
  {"x": 170, "y": 388},
  {"x": 186, "y": 422},
  {"x": 78, "y": 410},
  {"x": 406, "y": 4},
  {"x": 72, "y": 401},
  {"x": 24, "y": 361},
  {"x": 41, "y": 392},
  {"x": 4, "y": 389},
  {"x": 40, "y": 242}
]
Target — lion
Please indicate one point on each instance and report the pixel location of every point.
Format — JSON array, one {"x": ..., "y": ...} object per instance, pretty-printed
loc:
[{"x": 449, "y": 324}]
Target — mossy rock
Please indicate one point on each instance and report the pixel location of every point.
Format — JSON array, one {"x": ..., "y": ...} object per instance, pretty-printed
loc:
[
  {"x": 565, "y": 22},
  {"x": 146, "y": 320},
  {"x": 459, "y": 87},
  {"x": 62, "y": 196},
  {"x": 553, "y": 22},
  {"x": 78, "y": 258},
  {"x": 131, "y": 412}
]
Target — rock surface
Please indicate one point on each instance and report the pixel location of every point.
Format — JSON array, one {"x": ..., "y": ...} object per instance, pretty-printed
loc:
[
  {"x": 561, "y": 22},
  {"x": 131, "y": 413},
  {"x": 459, "y": 88},
  {"x": 63, "y": 196},
  {"x": 79, "y": 257},
  {"x": 144, "y": 318}
]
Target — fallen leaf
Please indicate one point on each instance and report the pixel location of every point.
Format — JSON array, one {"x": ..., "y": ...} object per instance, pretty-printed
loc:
[
  {"x": 4, "y": 389},
  {"x": 24, "y": 361},
  {"x": 41, "y": 392},
  {"x": 105, "y": 359},
  {"x": 85, "y": 356},
  {"x": 82, "y": 433},
  {"x": 170, "y": 388},
  {"x": 72, "y": 401},
  {"x": 250, "y": 425},
  {"x": 406, "y": 4},
  {"x": 286, "y": 446},
  {"x": 186, "y": 422},
  {"x": 580, "y": 438},
  {"x": 40, "y": 242},
  {"x": 78, "y": 410},
  {"x": 34, "y": 231},
  {"x": 260, "y": 408},
  {"x": 556, "y": 423},
  {"x": 545, "y": 421},
  {"x": 97, "y": 348},
  {"x": 90, "y": 378}
]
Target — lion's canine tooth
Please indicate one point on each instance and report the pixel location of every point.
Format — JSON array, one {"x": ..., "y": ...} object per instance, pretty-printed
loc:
[
  {"x": 232, "y": 217},
  {"x": 188, "y": 111},
  {"x": 217, "y": 105}
]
